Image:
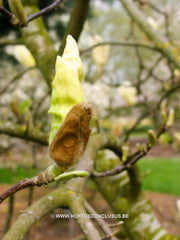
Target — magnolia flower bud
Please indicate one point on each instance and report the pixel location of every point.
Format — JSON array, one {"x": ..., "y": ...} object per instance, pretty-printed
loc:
[
  {"x": 18, "y": 10},
  {"x": 70, "y": 129},
  {"x": 15, "y": 107},
  {"x": 125, "y": 151},
  {"x": 67, "y": 88},
  {"x": 164, "y": 116},
  {"x": 152, "y": 137},
  {"x": 138, "y": 146},
  {"x": 24, "y": 56},
  {"x": 163, "y": 105},
  {"x": 170, "y": 119}
]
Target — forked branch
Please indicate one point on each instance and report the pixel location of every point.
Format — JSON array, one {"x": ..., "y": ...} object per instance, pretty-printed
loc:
[{"x": 131, "y": 160}]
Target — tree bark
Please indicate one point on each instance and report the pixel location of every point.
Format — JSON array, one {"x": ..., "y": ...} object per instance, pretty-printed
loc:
[
  {"x": 123, "y": 197},
  {"x": 36, "y": 38},
  {"x": 76, "y": 22}
]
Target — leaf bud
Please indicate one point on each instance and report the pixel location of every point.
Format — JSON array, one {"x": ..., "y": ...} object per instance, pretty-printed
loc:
[{"x": 18, "y": 10}]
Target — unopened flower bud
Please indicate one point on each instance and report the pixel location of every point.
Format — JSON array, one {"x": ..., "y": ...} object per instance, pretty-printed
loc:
[
  {"x": 152, "y": 137},
  {"x": 163, "y": 106},
  {"x": 125, "y": 150},
  {"x": 170, "y": 119},
  {"x": 164, "y": 116},
  {"x": 138, "y": 146},
  {"x": 67, "y": 88}
]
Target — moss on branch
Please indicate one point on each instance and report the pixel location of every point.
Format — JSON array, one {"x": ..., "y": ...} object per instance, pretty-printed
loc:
[{"x": 124, "y": 194}]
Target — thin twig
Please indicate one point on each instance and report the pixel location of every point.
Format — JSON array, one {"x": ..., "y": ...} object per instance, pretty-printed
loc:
[
  {"x": 101, "y": 223},
  {"x": 134, "y": 158},
  {"x": 19, "y": 75},
  {"x": 65, "y": 8},
  {"x": 150, "y": 72},
  {"x": 118, "y": 169},
  {"x": 125, "y": 44},
  {"x": 30, "y": 198},
  {"x": 113, "y": 225},
  {"x": 17, "y": 187},
  {"x": 38, "y": 105},
  {"x": 155, "y": 8},
  {"x": 76, "y": 22},
  {"x": 110, "y": 235},
  {"x": 43, "y": 11},
  {"x": 10, "y": 213},
  {"x": 9, "y": 41},
  {"x": 166, "y": 18},
  {"x": 169, "y": 92},
  {"x": 138, "y": 121},
  {"x": 6, "y": 13},
  {"x": 141, "y": 67}
]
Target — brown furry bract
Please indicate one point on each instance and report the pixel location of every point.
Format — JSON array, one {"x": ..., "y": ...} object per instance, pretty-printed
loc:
[{"x": 72, "y": 137}]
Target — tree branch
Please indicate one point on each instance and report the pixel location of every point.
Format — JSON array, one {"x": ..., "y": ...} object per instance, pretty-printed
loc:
[
  {"x": 76, "y": 205},
  {"x": 10, "y": 213},
  {"x": 125, "y": 44},
  {"x": 67, "y": 192},
  {"x": 150, "y": 71},
  {"x": 42, "y": 50},
  {"x": 43, "y": 11},
  {"x": 36, "y": 211},
  {"x": 118, "y": 192},
  {"x": 158, "y": 39},
  {"x": 131, "y": 159},
  {"x": 6, "y": 13},
  {"x": 167, "y": 93},
  {"x": 19, "y": 75},
  {"x": 111, "y": 236},
  {"x": 118, "y": 169},
  {"x": 44, "y": 177},
  {"x": 15, "y": 188},
  {"x": 23, "y": 132},
  {"x": 101, "y": 223},
  {"x": 9, "y": 41},
  {"x": 76, "y": 22},
  {"x": 138, "y": 121},
  {"x": 33, "y": 213}
]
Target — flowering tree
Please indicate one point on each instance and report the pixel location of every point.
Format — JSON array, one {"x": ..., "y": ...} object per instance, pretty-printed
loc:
[{"x": 70, "y": 143}]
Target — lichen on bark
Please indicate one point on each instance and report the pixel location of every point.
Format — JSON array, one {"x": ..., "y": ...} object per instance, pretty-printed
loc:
[{"x": 124, "y": 194}]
